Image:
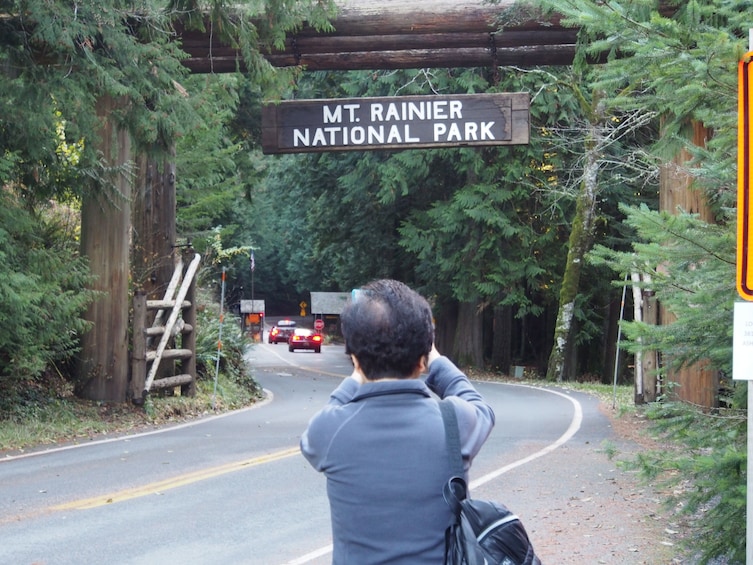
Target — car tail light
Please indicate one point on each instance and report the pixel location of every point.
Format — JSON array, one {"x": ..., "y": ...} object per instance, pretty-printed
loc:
[
  {"x": 316, "y": 337},
  {"x": 275, "y": 331}
]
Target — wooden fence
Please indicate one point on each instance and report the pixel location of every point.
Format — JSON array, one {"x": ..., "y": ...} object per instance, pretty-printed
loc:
[{"x": 180, "y": 321}]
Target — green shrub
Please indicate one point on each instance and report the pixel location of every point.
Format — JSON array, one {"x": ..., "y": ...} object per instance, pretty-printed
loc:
[
  {"x": 703, "y": 466},
  {"x": 231, "y": 355},
  {"x": 42, "y": 297}
]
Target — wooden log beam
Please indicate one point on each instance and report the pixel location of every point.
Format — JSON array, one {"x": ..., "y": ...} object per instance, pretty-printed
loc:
[
  {"x": 402, "y": 34},
  {"x": 165, "y": 304},
  {"x": 303, "y": 46},
  {"x": 170, "y": 382},
  {"x": 385, "y": 17},
  {"x": 170, "y": 354},
  {"x": 524, "y": 56},
  {"x": 159, "y": 330},
  {"x": 408, "y": 59},
  {"x": 423, "y": 58}
]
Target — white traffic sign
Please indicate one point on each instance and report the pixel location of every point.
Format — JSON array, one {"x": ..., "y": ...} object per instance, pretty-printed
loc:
[{"x": 742, "y": 342}]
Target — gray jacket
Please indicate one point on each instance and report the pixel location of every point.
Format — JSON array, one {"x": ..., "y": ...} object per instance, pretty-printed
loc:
[{"x": 382, "y": 448}]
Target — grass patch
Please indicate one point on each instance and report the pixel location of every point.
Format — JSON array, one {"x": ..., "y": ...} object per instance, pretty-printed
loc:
[
  {"x": 621, "y": 398},
  {"x": 69, "y": 419}
]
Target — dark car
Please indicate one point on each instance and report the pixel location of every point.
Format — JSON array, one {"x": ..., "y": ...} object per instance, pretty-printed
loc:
[
  {"x": 282, "y": 331},
  {"x": 305, "y": 339}
]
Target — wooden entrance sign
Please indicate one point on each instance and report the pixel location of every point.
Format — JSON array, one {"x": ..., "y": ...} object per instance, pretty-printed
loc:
[{"x": 398, "y": 122}]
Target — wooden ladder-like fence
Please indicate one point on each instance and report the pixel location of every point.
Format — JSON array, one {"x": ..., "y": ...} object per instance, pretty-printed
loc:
[{"x": 181, "y": 320}]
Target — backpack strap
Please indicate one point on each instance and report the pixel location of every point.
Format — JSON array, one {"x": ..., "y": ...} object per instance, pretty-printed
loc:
[
  {"x": 454, "y": 493},
  {"x": 455, "y": 490},
  {"x": 452, "y": 435}
]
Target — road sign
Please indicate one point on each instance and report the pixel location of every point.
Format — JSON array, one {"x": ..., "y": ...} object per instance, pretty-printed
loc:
[
  {"x": 745, "y": 178},
  {"x": 396, "y": 122},
  {"x": 319, "y": 324}
]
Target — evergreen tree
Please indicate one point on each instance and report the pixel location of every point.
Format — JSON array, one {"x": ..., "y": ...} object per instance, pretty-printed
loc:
[
  {"x": 477, "y": 227},
  {"x": 61, "y": 63},
  {"x": 42, "y": 297},
  {"x": 679, "y": 60}
]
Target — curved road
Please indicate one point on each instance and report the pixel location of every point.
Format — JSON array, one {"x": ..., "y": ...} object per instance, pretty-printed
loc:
[{"x": 231, "y": 488}]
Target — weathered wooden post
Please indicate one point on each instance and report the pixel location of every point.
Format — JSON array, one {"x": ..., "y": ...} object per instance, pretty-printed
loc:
[
  {"x": 189, "y": 340},
  {"x": 102, "y": 371},
  {"x": 138, "y": 353}
]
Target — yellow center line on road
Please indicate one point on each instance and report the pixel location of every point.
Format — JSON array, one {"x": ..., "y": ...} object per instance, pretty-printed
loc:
[{"x": 175, "y": 482}]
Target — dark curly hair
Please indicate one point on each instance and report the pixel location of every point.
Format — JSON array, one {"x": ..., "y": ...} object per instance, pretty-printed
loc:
[{"x": 388, "y": 327}]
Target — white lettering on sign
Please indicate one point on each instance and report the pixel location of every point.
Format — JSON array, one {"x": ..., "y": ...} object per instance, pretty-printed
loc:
[
  {"x": 471, "y": 131},
  {"x": 370, "y": 135},
  {"x": 335, "y": 115},
  {"x": 441, "y": 114},
  {"x": 392, "y": 123},
  {"x": 425, "y": 110}
]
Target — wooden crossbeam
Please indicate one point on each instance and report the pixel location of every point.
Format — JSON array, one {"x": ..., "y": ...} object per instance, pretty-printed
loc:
[{"x": 393, "y": 34}]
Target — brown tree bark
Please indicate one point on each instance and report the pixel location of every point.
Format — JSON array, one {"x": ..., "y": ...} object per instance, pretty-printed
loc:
[
  {"x": 698, "y": 384},
  {"x": 154, "y": 217},
  {"x": 468, "y": 347},
  {"x": 502, "y": 339},
  {"x": 102, "y": 372}
]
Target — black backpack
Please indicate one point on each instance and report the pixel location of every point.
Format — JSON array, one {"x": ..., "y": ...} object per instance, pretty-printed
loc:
[{"x": 484, "y": 532}]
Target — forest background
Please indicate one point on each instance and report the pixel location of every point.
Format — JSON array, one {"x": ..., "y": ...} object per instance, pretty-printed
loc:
[{"x": 524, "y": 251}]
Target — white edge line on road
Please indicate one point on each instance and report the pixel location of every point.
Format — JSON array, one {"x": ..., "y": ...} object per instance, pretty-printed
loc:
[
  {"x": 268, "y": 397},
  {"x": 321, "y": 552},
  {"x": 575, "y": 424}
]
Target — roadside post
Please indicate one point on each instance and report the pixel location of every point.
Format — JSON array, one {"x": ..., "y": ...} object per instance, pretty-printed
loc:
[
  {"x": 742, "y": 338},
  {"x": 219, "y": 339}
]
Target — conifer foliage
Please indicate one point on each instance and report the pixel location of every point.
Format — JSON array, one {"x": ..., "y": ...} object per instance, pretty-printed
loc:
[
  {"x": 59, "y": 63},
  {"x": 679, "y": 60}
]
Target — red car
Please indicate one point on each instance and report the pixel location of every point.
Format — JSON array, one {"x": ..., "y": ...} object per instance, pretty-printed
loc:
[
  {"x": 281, "y": 332},
  {"x": 305, "y": 339}
]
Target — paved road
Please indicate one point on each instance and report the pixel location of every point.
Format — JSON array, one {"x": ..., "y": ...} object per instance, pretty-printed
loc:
[{"x": 230, "y": 489}]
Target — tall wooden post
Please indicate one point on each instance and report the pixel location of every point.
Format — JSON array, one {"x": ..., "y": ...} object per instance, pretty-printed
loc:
[
  {"x": 154, "y": 216},
  {"x": 697, "y": 384},
  {"x": 105, "y": 225},
  {"x": 138, "y": 353},
  {"x": 189, "y": 340},
  {"x": 154, "y": 230}
]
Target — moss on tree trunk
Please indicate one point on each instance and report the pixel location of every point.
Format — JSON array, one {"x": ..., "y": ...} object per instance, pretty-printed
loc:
[{"x": 580, "y": 241}]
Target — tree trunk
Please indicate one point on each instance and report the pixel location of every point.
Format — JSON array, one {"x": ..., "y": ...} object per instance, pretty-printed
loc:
[
  {"x": 102, "y": 371},
  {"x": 502, "y": 339},
  {"x": 649, "y": 360},
  {"x": 154, "y": 215},
  {"x": 610, "y": 346},
  {"x": 581, "y": 238},
  {"x": 699, "y": 383},
  {"x": 446, "y": 324},
  {"x": 468, "y": 348}
]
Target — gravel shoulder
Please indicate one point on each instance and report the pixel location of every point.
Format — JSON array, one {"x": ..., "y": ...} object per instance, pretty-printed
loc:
[{"x": 580, "y": 507}]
